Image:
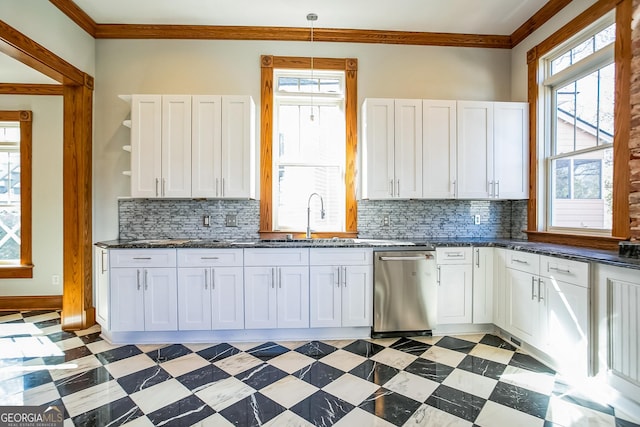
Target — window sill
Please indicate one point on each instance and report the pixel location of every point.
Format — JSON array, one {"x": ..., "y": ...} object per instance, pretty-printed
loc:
[
  {"x": 16, "y": 271},
  {"x": 586, "y": 241}
]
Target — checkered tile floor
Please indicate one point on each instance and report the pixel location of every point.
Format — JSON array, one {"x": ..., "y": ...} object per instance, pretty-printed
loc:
[{"x": 424, "y": 381}]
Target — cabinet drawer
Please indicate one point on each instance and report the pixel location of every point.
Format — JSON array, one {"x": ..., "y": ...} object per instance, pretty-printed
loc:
[
  {"x": 344, "y": 256},
  {"x": 565, "y": 270},
  {"x": 209, "y": 257},
  {"x": 462, "y": 255},
  {"x": 271, "y": 257},
  {"x": 523, "y": 261},
  {"x": 142, "y": 258}
]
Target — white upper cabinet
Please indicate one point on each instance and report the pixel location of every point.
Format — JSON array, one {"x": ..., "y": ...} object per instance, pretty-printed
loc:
[
  {"x": 238, "y": 147},
  {"x": 511, "y": 150},
  {"x": 438, "y": 149},
  {"x": 206, "y": 146},
  {"x": 146, "y": 145},
  {"x": 176, "y": 146},
  {"x": 392, "y": 148},
  {"x": 475, "y": 148}
]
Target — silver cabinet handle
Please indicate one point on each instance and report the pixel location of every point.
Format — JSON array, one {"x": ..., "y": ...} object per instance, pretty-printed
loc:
[
  {"x": 519, "y": 261},
  {"x": 146, "y": 279},
  {"x": 338, "y": 276},
  {"x": 497, "y": 187},
  {"x": 453, "y": 187},
  {"x": 344, "y": 276},
  {"x": 540, "y": 297},
  {"x": 217, "y": 187},
  {"x": 280, "y": 278},
  {"x": 533, "y": 284},
  {"x": 222, "y": 187},
  {"x": 398, "y": 185},
  {"x": 405, "y": 258},
  {"x": 454, "y": 254},
  {"x": 143, "y": 257},
  {"x": 391, "y": 187},
  {"x": 157, "y": 182},
  {"x": 102, "y": 263},
  {"x": 559, "y": 270},
  {"x": 273, "y": 277},
  {"x": 438, "y": 276},
  {"x": 478, "y": 258},
  {"x": 206, "y": 278},
  {"x": 213, "y": 279},
  {"x": 209, "y": 257},
  {"x": 138, "y": 279},
  {"x": 164, "y": 184}
]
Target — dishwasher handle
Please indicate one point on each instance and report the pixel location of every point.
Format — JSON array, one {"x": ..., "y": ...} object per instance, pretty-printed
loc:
[{"x": 406, "y": 258}]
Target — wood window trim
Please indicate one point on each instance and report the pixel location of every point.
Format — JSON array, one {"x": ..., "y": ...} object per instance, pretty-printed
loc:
[
  {"x": 25, "y": 269},
  {"x": 622, "y": 119},
  {"x": 350, "y": 67}
]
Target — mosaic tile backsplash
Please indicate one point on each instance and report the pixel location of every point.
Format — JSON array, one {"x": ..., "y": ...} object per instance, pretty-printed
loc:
[{"x": 410, "y": 219}]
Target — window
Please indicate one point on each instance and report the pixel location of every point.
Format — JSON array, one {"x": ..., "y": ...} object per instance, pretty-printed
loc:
[
  {"x": 15, "y": 194},
  {"x": 580, "y": 86},
  {"x": 309, "y": 150}
]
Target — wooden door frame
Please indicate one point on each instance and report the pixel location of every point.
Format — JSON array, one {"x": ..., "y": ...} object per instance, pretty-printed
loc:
[{"x": 77, "y": 92}]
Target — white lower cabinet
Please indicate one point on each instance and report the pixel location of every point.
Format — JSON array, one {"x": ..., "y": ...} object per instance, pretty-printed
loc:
[
  {"x": 499, "y": 288},
  {"x": 483, "y": 281},
  {"x": 523, "y": 319},
  {"x": 455, "y": 285},
  {"x": 101, "y": 280}
]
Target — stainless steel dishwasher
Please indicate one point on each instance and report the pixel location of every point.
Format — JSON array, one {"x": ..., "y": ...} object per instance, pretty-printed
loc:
[{"x": 405, "y": 293}]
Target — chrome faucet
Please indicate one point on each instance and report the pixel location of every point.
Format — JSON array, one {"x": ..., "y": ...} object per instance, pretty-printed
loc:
[{"x": 309, "y": 212}]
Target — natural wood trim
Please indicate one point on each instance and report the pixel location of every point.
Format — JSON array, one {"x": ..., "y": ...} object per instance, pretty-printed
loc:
[
  {"x": 621, "y": 225},
  {"x": 77, "y": 15},
  {"x": 29, "y": 89},
  {"x": 32, "y": 302},
  {"x": 350, "y": 66},
  {"x": 18, "y": 46},
  {"x": 16, "y": 272},
  {"x": 532, "y": 97},
  {"x": 597, "y": 242},
  {"x": 538, "y": 19}
]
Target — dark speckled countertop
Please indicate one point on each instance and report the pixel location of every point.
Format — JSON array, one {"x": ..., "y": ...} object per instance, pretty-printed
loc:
[{"x": 568, "y": 252}]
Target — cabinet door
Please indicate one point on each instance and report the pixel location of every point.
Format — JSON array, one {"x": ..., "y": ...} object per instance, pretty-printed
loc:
[
  {"x": 176, "y": 146},
  {"x": 511, "y": 150},
  {"x": 260, "y": 298},
  {"x": 475, "y": 150},
  {"x": 206, "y": 149},
  {"x": 378, "y": 149},
  {"x": 194, "y": 299},
  {"x": 483, "y": 281},
  {"x": 499, "y": 288},
  {"x": 454, "y": 294},
  {"x": 238, "y": 147},
  {"x": 160, "y": 299},
  {"x": 523, "y": 308},
  {"x": 438, "y": 149},
  {"x": 408, "y": 148},
  {"x": 227, "y": 292},
  {"x": 357, "y": 297},
  {"x": 146, "y": 142},
  {"x": 325, "y": 299},
  {"x": 127, "y": 299},
  {"x": 293, "y": 297},
  {"x": 101, "y": 263}
]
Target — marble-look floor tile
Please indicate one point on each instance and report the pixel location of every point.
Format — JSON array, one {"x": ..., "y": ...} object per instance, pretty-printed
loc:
[
  {"x": 116, "y": 413},
  {"x": 292, "y": 345},
  {"x": 127, "y": 366},
  {"x": 59, "y": 336},
  {"x": 244, "y": 346},
  {"x": 141, "y": 421},
  {"x": 27, "y": 347},
  {"x": 496, "y": 341},
  {"x": 187, "y": 411},
  {"x": 202, "y": 378},
  {"x": 339, "y": 343},
  {"x": 40, "y": 317},
  {"x": 91, "y": 338},
  {"x": 316, "y": 349},
  {"x": 238, "y": 363},
  {"x": 351, "y": 389},
  {"x": 364, "y": 348},
  {"x": 70, "y": 343},
  {"x": 170, "y": 352},
  {"x": 385, "y": 342},
  {"x": 431, "y": 340},
  {"x": 19, "y": 380},
  {"x": 261, "y": 376},
  {"x": 252, "y": 411},
  {"x": 486, "y": 368},
  {"x": 35, "y": 396},
  {"x": 146, "y": 348},
  {"x": 476, "y": 338},
  {"x": 84, "y": 380},
  {"x": 495, "y": 354},
  {"x": 525, "y": 361},
  {"x": 375, "y": 372},
  {"x": 522, "y": 399},
  {"x": 160, "y": 395},
  {"x": 218, "y": 352},
  {"x": 457, "y": 344},
  {"x": 566, "y": 413},
  {"x": 291, "y": 362},
  {"x": 102, "y": 346},
  {"x": 73, "y": 367},
  {"x": 360, "y": 417},
  {"x": 289, "y": 391},
  {"x": 318, "y": 374},
  {"x": 428, "y": 416},
  {"x": 322, "y": 409},
  {"x": 471, "y": 383},
  {"x": 429, "y": 369},
  {"x": 225, "y": 393},
  {"x": 444, "y": 356},
  {"x": 215, "y": 420},
  {"x": 91, "y": 330},
  {"x": 267, "y": 351},
  {"x": 463, "y": 405},
  {"x": 390, "y": 406},
  {"x": 196, "y": 347},
  {"x": 394, "y": 358},
  {"x": 541, "y": 383},
  {"x": 410, "y": 346},
  {"x": 118, "y": 353},
  {"x": 10, "y": 317},
  {"x": 412, "y": 386},
  {"x": 93, "y": 397},
  {"x": 184, "y": 364},
  {"x": 343, "y": 360},
  {"x": 141, "y": 380},
  {"x": 288, "y": 419},
  {"x": 495, "y": 415}
]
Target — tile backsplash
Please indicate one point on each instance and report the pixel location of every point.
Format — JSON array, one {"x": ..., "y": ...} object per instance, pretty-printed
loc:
[{"x": 410, "y": 219}]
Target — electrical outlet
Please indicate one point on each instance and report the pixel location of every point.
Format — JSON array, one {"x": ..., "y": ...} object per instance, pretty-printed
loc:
[
  {"x": 476, "y": 219},
  {"x": 206, "y": 221},
  {"x": 231, "y": 220},
  {"x": 386, "y": 220},
  {"x": 55, "y": 279}
]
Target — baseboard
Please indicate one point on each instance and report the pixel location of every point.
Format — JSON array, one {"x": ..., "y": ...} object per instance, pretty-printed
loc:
[{"x": 34, "y": 302}]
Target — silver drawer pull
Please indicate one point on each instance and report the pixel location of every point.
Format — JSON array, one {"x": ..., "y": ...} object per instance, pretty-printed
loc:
[
  {"x": 519, "y": 261},
  {"x": 455, "y": 254},
  {"x": 560, "y": 270},
  {"x": 405, "y": 258},
  {"x": 209, "y": 257},
  {"x": 145, "y": 258}
]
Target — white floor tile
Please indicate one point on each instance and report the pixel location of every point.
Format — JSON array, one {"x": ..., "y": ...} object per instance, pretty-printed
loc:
[
  {"x": 395, "y": 358},
  {"x": 412, "y": 386},
  {"x": 93, "y": 397},
  {"x": 444, "y": 356},
  {"x": 427, "y": 340},
  {"x": 70, "y": 343},
  {"x": 540, "y": 382},
  {"x": 351, "y": 389},
  {"x": 160, "y": 395},
  {"x": 470, "y": 337},
  {"x": 288, "y": 391},
  {"x": 359, "y": 417},
  {"x": 291, "y": 362},
  {"x": 496, "y": 415},
  {"x": 238, "y": 363},
  {"x": 568, "y": 414},
  {"x": 499, "y": 355},
  {"x": 33, "y": 397},
  {"x": 101, "y": 346},
  {"x": 343, "y": 360},
  {"x": 471, "y": 383},
  {"x": 42, "y": 317},
  {"x": 289, "y": 419},
  {"x": 184, "y": 364},
  {"x": 73, "y": 367},
  {"x": 92, "y": 330},
  {"x": 124, "y": 367},
  {"x": 428, "y": 416},
  {"x": 225, "y": 393}
]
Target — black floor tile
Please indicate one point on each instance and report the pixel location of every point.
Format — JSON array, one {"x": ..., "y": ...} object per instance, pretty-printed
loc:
[
  {"x": 316, "y": 349},
  {"x": 184, "y": 412},
  {"x": 375, "y": 372},
  {"x": 47, "y": 323},
  {"x": 218, "y": 352},
  {"x": 318, "y": 374},
  {"x": 24, "y": 382},
  {"x": 572, "y": 395},
  {"x": 364, "y": 348},
  {"x": 28, "y": 314},
  {"x": 203, "y": 377},
  {"x": 167, "y": 353},
  {"x": 114, "y": 414},
  {"x": 322, "y": 409},
  {"x": 76, "y": 353},
  {"x": 91, "y": 338},
  {"x": 76, "y": 383},
  {"x": 521, "y": 360},
  {"x": 254, "y": 410},
  {"x": 429, "y": 369},
  {"x": 143, "y": 379},
  {"x": 61, "y": 336},
  {"x": 410, "y": 346},
  {"x": 484, "y": 367},
  {"x": 456, "y": 344},
  {"x": 522, "y": 399},
  {"x": 392, "y": 407},
  {"x": 261, "y": 376},
  {"x": 495, "y": 341},
  {"x": 456, "y": 402},
  {"x": 118, "y": 353},
  {"x": 268, "y": 351}
]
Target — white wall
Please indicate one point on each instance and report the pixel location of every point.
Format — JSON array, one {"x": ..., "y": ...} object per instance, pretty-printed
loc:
[
  {"x": 233, "y": 67},
  {"x": 46, "y": 197}
]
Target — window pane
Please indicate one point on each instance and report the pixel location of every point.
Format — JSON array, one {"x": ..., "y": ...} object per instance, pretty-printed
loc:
[
  {"x": 584, "y": 49},
  {"x": 561, "y": 169},
  {"x": 288, "y": 84},
  {"x": 10, "y": 233},
  {"x": 565, "y": 119},
  {"x": 330, "y": 86},
  {"x": 605, "y": 113},
  {"x": 296, "y": 184},
  {"x": 587, "y": 179},
  {"x": 309, "y": 85}
]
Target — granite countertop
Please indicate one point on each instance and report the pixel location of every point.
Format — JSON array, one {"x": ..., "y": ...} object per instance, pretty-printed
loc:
[{"x": 567, "y": 252}]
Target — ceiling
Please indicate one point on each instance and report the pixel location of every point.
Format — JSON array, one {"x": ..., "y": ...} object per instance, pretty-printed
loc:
[{"x": 495, "y": 17}]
